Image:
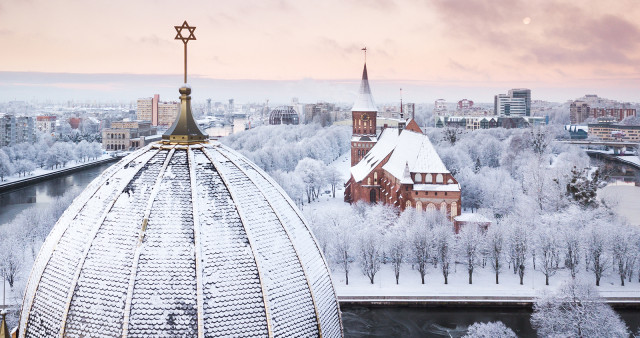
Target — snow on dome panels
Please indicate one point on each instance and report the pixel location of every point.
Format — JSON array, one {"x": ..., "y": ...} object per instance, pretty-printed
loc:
[{"x": 191, "y": 240}]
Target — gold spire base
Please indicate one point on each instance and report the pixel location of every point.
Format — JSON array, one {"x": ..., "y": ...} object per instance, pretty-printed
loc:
[{"x": 184, "y": 130}]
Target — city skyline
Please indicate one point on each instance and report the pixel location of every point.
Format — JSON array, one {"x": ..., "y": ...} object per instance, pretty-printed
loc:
[{"x": 280, "y": 49}]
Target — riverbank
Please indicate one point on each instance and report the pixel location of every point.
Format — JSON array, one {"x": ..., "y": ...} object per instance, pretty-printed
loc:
[
  {"x": 459, "y": 293},
  {"x": 39, "y": 175}
]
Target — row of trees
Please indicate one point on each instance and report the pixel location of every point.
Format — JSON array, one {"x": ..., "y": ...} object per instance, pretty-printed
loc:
[
  {"x": 23, "y": 158},
  {"x": 371, "y": 235},
  {"x": 282, "y": 147}
]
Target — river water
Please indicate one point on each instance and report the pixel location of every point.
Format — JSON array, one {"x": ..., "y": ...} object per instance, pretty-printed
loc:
[{"x": 358, "y": 321}]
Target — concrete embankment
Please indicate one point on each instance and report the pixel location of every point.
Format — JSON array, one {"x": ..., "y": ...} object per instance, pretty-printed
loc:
[
  {"x": 8, "y": 186},
  {"x": 464, "y": 301}
]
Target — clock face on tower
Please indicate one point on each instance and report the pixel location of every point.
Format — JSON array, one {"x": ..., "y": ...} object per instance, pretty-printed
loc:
[{"x": 364, "y": 117}]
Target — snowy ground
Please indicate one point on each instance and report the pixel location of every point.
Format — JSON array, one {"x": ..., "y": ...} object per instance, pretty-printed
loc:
[
  {"x": 41, "y": 171},
  {"x": 625, "y": 199},
  {"x": 483, "y": 283}
]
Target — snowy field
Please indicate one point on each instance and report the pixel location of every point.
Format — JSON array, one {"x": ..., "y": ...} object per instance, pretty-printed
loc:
[
  {"x": 483, "y": 283},
  {"x": 625, "y": 200}
]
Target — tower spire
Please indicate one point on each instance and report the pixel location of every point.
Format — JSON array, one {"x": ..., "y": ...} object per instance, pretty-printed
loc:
[
  {"x": 401, "y": 111},
  {"x": 185, "y": 130},
  {"x": 365, "y": 55}
]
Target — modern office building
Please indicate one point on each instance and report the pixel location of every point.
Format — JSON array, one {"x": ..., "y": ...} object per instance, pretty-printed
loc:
[
  {"x": 517, "y": 102},
  {"x": 157, "y": 112}
]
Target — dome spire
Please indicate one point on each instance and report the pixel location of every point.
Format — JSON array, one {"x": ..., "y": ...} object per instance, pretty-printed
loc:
[{"x": 185, "y": 129}]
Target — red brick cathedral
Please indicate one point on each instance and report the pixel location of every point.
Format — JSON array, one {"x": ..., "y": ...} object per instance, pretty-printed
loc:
[{"x": 397, "y": 166}]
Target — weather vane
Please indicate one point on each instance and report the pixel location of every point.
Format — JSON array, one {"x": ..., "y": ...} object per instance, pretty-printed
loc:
[{"x": 179, "y": 36}]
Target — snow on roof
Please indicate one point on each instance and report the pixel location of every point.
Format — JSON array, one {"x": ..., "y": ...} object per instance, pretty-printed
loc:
[
  {"x": 436, "y": 187},
  {"x": 365, "y": 102},
  {"x": 385, "y": 145},
  {"x": 415, "y": 149},
  {"x": 196, "y": 236},
  {"x": 472, "y": 217}
]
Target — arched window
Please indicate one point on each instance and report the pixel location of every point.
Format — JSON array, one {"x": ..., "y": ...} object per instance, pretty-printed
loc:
[
  {"x": 428, "y": 178},
  {"x": 454, "y": 209},
  {"x": 369, "y": 181},
  {"x": 408, "y": 205},
  {"x": 375, "y": 178},
  {"x": 358, "y": 152},
  {"x": 431, "y": 207},
  {"x": 419, "y": 206},
  {"x": 443, "y": 207},
  {"x": 418, "y": 178},
  {"x": 439, "y": 178},
  {"x": 372, "y": 196}
]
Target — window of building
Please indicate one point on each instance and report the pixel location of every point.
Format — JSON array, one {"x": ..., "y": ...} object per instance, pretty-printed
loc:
[
  {"x": 419, "y": 206},
  {"x": 454, "y": 209},
  {"x": 408, "y": 205},
  {"x": 428, "y": 178},
  {"x": 443, "y": 207},
  {"x": 369, "y": 181},
  {"x": 431, "y": 207},
  {"x": 418, "y": 178},
  {"x": 439, "y": 178},
  {"x": 375, "y": 178}
]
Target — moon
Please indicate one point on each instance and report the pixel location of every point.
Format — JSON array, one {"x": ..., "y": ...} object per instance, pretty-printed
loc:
[{"x": 526, "y": 20}]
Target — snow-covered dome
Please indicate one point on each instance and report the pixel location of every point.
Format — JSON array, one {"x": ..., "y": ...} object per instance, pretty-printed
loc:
[
  {"x": 181, "y": 240},
  {"x": 284, "y": 115}
]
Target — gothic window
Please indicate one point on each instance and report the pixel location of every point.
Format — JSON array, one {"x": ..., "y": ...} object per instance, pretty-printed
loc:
[
  {"x": 408, "y": 205},
  {"x": 428, "y": 178},
  {"x": 431, "y": 207},
  {"x": 454, "y": 209},
  {"x": 439, "y": 178},
  {"x": 443, "y": 207},
  {"x": 418, "y": 178},
  {"x": 369, "y": 181},
  {"x": 419, "y": 206},
  {"x": 375, "y": 178},
  {"x": 372, "y": 196}
]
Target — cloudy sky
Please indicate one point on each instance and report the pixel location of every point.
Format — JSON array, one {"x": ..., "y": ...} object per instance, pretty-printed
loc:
[{"x": 260, "y": 49}]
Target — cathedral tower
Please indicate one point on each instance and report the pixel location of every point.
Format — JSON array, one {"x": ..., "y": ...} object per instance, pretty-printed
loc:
[{"x": 363, "y": 116}]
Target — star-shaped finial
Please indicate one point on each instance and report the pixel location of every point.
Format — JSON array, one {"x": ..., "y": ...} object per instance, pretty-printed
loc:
[{"x": 179, "y": 30}]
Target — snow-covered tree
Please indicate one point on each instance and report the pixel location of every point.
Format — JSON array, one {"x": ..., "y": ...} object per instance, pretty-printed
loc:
[
  {"x": 596, "y": 245},
  {"x": 344, "y": 244},
  {"x": 421, "y": 240},
  {"x": 495, "y": 245},
  {"x": 489, "y": 330},
  {"x": 583, "y": 186},
  {"x": 6, "y": 167},
  {"x": 469, "y": 241},
  {"x": 518, "y": 243},
  {"x": 312, "y": 174},
  {"x": 623, "y": 250},
  {"x": 443, "y": 248},
  {"x": 370, "y": 253},
  {"x": 576, "y": 310},
  {"x": 396, "y": 249},
  {"x": 548, "y": 250},
  {"x": 333, "y": 178},
  {"x": 24, "y": 167},
  {"x": 572, "y": 248}
]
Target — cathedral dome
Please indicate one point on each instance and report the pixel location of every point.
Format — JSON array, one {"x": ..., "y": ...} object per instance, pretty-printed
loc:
[
  {"x": 181, "y": 240},
  {"x": 284, "y": 115}
]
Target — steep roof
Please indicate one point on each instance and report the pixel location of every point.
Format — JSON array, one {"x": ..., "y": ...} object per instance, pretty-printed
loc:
[
  {"x": 407, "y": 149},
  {"x": 416, "y": 150},
  {"x": 365, "y": 102},
  {"x": 181, "y": 240}
]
